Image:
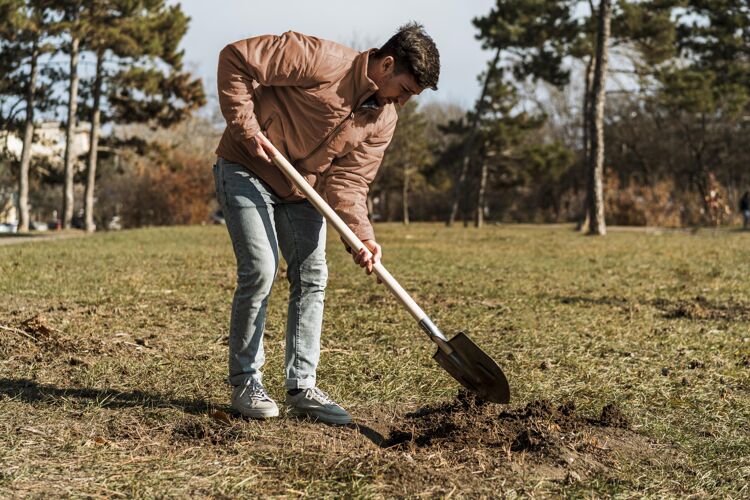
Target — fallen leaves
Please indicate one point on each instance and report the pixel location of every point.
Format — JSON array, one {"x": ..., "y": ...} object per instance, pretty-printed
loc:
[{"x": 221, "y": 417}]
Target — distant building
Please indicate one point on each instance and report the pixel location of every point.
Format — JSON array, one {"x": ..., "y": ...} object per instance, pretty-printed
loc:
[{"x": 49, "y": 142}]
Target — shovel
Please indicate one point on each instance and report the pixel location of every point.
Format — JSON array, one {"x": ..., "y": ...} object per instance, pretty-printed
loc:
[{"x": 459, "y": 356}]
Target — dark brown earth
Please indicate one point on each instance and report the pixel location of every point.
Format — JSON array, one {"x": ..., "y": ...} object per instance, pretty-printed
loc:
[
  {"x": 540, "y": 439},
  {"x": 538, "y": 426}
]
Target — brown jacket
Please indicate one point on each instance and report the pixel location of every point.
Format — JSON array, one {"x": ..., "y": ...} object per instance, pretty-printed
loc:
[{"x": 306, "y": 95}]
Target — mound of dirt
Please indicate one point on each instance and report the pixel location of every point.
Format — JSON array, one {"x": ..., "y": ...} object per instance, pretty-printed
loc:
[
  {"x": 556, "y": 438},
  {"x": 538, "y": 426}
]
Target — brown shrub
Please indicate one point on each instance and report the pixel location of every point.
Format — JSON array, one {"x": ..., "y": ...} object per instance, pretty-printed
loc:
[{"x": 176, "y": 188}]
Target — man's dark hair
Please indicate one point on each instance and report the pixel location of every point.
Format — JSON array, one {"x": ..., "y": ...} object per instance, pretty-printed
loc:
[{"x": 414, "y": 51}]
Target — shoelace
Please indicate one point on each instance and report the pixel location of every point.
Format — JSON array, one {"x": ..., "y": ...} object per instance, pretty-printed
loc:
[
  {"x": 320, "y": 396},
  {"x": 257, "y": 392}
]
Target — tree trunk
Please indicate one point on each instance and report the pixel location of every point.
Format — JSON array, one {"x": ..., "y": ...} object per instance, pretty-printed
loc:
[
  {"x": 28, "y": 138},
  {"x": 587, "y": 109},
  {"x": 470, "y": 144},
  {"x": 93, "y": 145},
  {"x": 583, "y": 223},
  {"x": 459, "y": 185},
  {"x": 405, "y": 196},
  {"x": 479, "y": 222},
  {"x": 69, "y": 169},
  {"x": 597, "y": 224}
]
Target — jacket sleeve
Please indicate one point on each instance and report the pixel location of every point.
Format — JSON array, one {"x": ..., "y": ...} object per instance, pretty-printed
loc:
[
  {"x": 347, "y": 181},
  {"x": 289, "y": 59}
]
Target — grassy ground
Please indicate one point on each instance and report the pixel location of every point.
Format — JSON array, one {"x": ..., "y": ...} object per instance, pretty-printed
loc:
[{"x": 113, "y": 359}]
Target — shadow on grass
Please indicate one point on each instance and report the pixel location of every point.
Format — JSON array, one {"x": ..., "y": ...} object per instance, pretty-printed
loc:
[
  {"x": 583, "y": 300},
  {"x": 694, "y": 308},
  {"x": 374, "y": 436},
  {"x": 30, "y": 391},
  {"x": 9, "y": 236}
]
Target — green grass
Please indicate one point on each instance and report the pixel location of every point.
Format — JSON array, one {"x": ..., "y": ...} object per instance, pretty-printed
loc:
[{"x": 116, "y": 399}]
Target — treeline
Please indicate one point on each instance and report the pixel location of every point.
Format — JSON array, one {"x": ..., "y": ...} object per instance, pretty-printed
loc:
[
  {"x": 96, "y": 61},
  {"x": 631, "y": 111},
  {"x": 620, "y": 112}
]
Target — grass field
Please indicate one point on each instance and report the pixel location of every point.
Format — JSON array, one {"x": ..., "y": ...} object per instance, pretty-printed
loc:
[{"x": 113, "y": 366}]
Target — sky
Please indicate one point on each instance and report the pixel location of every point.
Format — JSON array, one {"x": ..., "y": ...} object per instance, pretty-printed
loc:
[{"x": 215, "y": 23}]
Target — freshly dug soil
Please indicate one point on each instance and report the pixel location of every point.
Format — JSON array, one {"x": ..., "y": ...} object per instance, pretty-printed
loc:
[
  {"x": 552, "y": 441},
  {"x": 467, "y": 420}
]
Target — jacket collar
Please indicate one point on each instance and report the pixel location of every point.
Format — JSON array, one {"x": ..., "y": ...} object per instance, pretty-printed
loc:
[{"x": 364, "y": 87}]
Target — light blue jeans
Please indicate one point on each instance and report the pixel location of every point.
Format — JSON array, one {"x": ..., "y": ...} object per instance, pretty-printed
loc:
[{"x": 259, "y": 223}]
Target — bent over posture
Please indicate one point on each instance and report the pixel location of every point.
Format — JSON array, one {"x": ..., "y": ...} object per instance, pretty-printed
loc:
[{"x": 330, "y": 111}]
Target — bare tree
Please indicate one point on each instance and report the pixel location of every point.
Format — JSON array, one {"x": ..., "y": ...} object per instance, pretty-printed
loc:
[
  {"x": 28, "y": 136},
  {"x": 595, "y": 193},
  {"x": 69, "y": 159},
  {"x": 469, "y": 145}
]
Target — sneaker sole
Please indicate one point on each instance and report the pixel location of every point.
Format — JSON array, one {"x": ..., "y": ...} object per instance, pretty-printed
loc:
[
  {"x": 326, "y": 419},
  {"x": 259, "y": 414}
]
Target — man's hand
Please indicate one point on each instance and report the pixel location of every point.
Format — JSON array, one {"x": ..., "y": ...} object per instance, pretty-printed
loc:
[
  {"x": 260, "y": 147},
  {"x": 367, "y": 256}
]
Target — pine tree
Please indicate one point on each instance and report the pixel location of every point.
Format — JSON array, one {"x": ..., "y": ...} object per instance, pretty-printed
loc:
[
  {"x": 470, "y": 141},
  {"x": 139, "y": 74},
  {"x": 705, "y": 89},
  {"x": 406, "y": 158}
]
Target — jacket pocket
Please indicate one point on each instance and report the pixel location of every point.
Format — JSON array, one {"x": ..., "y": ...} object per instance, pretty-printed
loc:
[{"x": 266, "y": 124}]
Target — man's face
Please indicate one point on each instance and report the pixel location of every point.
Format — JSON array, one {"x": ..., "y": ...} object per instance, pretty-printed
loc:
[{"x": 393, "y": 87}]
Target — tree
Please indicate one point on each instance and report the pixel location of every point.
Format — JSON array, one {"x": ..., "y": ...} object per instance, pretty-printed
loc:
[
  {"x": 146, "y": 41},
  {"x": 74, "y": 23},
  {"x": 539, "y": 39},
  {"x": 705, "y": 91},
  {"x": 504, "y": 138},
  {"x": 407, "y": 156},
  {"x": 25, "y": 27},
  {"x": 469, "y": 143},
  {"x": 595, "y": 192},
  {"x": 138, "y": 77}
]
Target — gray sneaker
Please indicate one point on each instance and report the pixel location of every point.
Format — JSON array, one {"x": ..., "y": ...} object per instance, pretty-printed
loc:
[
  {"x": 252, "y": 401},
  {"x": 318, "y": 405}
]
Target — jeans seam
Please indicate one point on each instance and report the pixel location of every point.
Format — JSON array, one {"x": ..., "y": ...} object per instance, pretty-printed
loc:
[
  {"x": 299, "y": 277},
  {"x": 228, "y": 215}
]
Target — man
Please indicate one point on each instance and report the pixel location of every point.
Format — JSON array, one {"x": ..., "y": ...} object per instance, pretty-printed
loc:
[{"x": 330, "y": 111}]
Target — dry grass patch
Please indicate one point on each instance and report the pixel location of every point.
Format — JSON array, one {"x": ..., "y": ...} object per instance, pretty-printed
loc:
[{"x": 113, "y": 359}]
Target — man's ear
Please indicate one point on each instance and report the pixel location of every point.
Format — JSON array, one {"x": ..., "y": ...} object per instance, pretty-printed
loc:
[{"x": 388, "y": 65}]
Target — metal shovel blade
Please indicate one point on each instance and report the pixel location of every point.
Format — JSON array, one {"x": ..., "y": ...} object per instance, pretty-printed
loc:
[{"x": 474, "y": 369}]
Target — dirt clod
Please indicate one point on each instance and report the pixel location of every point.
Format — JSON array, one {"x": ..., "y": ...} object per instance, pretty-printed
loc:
[{"x": 37, "y": 327}]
